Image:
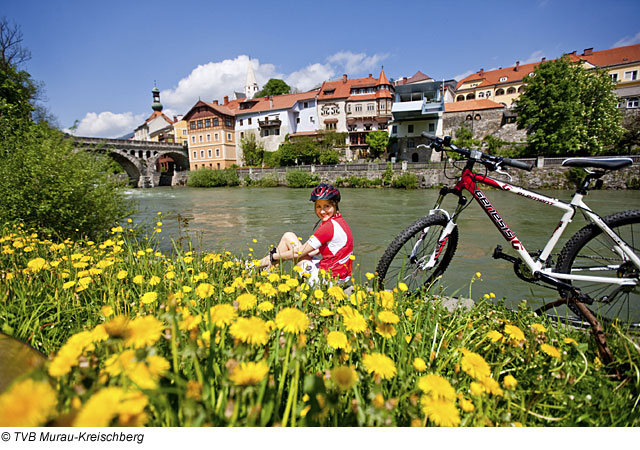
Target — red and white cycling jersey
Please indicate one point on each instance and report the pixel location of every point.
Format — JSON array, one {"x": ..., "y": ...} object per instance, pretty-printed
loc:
[{"x": 335, "y": 243}]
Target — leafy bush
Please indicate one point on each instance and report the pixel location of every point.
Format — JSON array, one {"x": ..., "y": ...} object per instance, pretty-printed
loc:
[
  {"x": 301, "y": 179},
  {"x": 329, "y": 157},
  {"x": 213, "y": 178},
  {"x": 405, "y": 181},
  {"x": 358, "y": 182},
  {"x": 270, "y": 180},
  {"x": 47, "y": 184},
  {"x": 387, "y": 176}
]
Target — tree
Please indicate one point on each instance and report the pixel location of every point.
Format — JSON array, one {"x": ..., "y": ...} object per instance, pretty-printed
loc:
[
  {"x": 274, "y": 87},
  {"x": 377, "y": 142},
  {"x": 12, "y": 53},
  {"x": 568, "y": 109},
  {"x": 252, "y": 151}
]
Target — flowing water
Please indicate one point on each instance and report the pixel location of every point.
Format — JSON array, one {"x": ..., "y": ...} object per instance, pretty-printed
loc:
[{"x": 230, "y": 218}]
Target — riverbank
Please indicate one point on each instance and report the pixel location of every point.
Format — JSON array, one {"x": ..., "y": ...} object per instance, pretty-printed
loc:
[{"x": 205, "y": 339}]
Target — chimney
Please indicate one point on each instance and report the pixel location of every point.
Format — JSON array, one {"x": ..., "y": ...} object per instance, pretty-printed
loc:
[
  {"x": 344, "y": 78},
  {"x": 226, "y": 99},
  {"x": 215, "y": 102},
  {"x": 404, "y": 79},
  {"x": 517, "y": 67},
  {"x": 588, "y": 51},
  {"x": 370, "y": 75},
  {"x": 271, "y": 101},
  {"x": 573, "y": 52},
  {"x": 481, "y": 72},
  {"x": 543, "y": 59}
]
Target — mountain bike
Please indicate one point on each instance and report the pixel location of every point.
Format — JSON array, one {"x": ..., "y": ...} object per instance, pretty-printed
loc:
[{"x": 599, "y": 265}]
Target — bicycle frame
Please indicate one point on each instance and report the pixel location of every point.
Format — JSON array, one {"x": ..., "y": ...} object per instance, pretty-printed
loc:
[{"x": 469, "y": 181}]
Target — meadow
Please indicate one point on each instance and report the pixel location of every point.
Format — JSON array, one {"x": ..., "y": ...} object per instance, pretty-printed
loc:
[{"x": 135, "y": 337}]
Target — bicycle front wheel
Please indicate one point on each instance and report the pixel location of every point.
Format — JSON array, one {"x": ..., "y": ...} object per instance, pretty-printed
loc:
[
  {"x": 591, "y": 252},
  {"x": 406, "y": 259}
]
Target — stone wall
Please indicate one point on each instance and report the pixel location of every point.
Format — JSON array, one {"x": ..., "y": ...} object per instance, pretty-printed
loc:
[
  {"x": 481, "y": 123},
  {"x": 431, "y": 175}
]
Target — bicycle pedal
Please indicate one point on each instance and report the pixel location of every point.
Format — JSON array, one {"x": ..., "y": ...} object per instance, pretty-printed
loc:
[{"x": 499, "y": 254}]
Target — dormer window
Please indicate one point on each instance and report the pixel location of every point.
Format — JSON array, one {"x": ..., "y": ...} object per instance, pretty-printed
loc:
[
  {"x": 328, "y": 91},
  {"x": 503, "y": 79}
]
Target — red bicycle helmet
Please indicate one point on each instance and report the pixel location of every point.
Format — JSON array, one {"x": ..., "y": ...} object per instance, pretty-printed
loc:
[{"x": 325, "y": 191}]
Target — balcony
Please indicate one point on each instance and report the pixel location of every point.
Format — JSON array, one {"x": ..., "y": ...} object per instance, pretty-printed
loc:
[
  {"x": 269, "y": 123},
  {"x": 417, "y": 109}
]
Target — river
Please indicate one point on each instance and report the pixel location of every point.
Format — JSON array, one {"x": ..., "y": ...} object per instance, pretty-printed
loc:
[{"x": 230, "y": 218}]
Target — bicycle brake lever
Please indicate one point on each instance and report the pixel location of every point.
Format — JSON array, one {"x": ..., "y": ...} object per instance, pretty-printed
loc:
[{"x": 502, "y": 172}]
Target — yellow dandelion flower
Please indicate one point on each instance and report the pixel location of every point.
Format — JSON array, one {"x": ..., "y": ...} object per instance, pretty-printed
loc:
[
  {"x": 37, "y": 264},
  {"x": 474, "y": 365},
  {"x": 170, "y": 275},
  {"x": 369, "y": 275},
  {"x": 442, "y": 413},
  {"x": 509, "y": 382},
  {"x": 143, "y": 331},
  {"x": 268, "y": 289},
  {"x": 116, "y": 327},
  {"x": 386, "y": 330},
  {"x": 111, "y": 402},
  {"x": 324, "y": 312},
  {"x": 149, "y": 297},
  {"x": 122, "y": 274},
  {"x": 187, "y": 289},
  {"x": 403, "y": 287},
  {"x": 249, "y": 373},
  {"x": 495, "y": 336},
  {"x": 478, "y": 274},
  {"x": 318, "y": 294},
  {"x": 222, "y": 315},
  {"x": 138, "y": 279},
  {"x": 538, "y": 328},
  {"x": 189, "y": 322},
  {"x": 252, "y": 331},
  {"x": 204, "y": 290},
  {"x": 292, "y": 320},
  {"x": 154, "y": 280},
  {"x": 292, "y": 283},
  {"x": 570, "y": 341},
  {"x": 388, "y": 317},
  {"x": 107, "y": 310},
  {"x": 386, "y": 299},
  {"x": 491, "y": 386},
  {"x": 409, "y": 313},
  {"x": 28, "y": 403},
  {"x": 246, "y": 301},
  {"x": 337, "y": 293},
  {"x": 514, "y": 333},
  {"x": 353, "y": 320},
  {"x": 476, "y": 389},
  {"x": 344, "y": 377},
  {"x": 551, "y": 351},
  {"x": 69, "y": 284},
  {"x": 265, "y": 306},
  {"x": 437, "y": 387},
  {"x": 378, "y": 401},
  {"x": 465, "y": 404},
  {"x": 337, "y": 339},
  {"x": 283, "y": 288},
  {"x": 419, "y": 364},
  {"x": 380, "y": 365},
  {"x": 273, "y": 277}
]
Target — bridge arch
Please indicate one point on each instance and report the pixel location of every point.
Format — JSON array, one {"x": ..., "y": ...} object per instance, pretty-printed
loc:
[{"x": 130, "y": 164}]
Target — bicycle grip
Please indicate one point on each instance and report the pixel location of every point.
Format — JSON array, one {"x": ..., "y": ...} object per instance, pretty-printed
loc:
[{"x": 517, "y": 164}]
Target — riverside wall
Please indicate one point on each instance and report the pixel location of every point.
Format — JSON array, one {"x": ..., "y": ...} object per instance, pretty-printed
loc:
[{"x": 547, "y": 173}]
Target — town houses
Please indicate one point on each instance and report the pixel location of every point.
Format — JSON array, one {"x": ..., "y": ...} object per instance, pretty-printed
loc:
[{"x": 483, "y": 102}]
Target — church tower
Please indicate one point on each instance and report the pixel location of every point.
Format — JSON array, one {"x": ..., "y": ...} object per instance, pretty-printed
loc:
[
  {"x": 156, "y": 105},
  {"x": 250, "y": 85}
]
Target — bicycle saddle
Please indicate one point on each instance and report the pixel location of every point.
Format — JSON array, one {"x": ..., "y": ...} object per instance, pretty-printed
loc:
[{"x": 598, "y": 163}]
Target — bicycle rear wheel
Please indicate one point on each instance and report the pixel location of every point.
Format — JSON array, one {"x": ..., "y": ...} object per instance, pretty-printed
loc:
[
  {"x": 591, "y": 252},
  {"x": 404, "y": 259}
]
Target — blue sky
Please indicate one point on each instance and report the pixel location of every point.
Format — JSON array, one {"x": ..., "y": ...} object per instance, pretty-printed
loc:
[{"x": 99, "y": 60}]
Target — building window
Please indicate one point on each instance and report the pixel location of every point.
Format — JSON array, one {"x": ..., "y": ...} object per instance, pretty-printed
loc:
[
  {"x": 511, "y": 90},
  {"x": 331, "y": 126},
  {"x": 382, "y": 106},
  {"x": 228, "y": 123},
  {"x": 488, "y": 94},
  {"x": 631, "y": 75},
  {"x": 367, "y": 127},
  {"x": 218, "y": 166},
  {"x": 208, "y": 138},
  {"x": 193, "y": 139},
  {"x": 480, "y": 94},
  {"x": 394, "y": 129},
  {"x": 240, "y": 122},
  {"x": 410, "y": 128},
  {"x": 503, "y": 79},
  {"x": 306, "y": 104},
  {"x": 371, "y": 107},
  {"x": 471, "y": 96},
  {"x": 200, "y": 138},
  {"x": 249, "y": 121},
  {"x": 185, "y": 143},
  {"x": 614, "y": 77},
  {"x": 202, "y": 154},
  {"x": 216, "y": 137},
  {"x": 632, "y": 102},
  {"x": 277, "y": 130},
  {"x": 207, "y": 122},
  {"x": 477, "y": 117},
  {"x": 500, "y": 91},
  {"x": 468, "y": 117},
  {"x": 229, "y": 137},
  {"x": 297, "y": 119},
  {"x": 192, "y": 125},
  {"x": 432, "y": 127},
  {"x": 195, "y": 154},
  {"x": 199, "y": 123},
  {"x": 348, "y": 108},
  {"x": 358, "y": 108},
  {"x": 521, "y": 89},
  {"x": 217, "y": 153},
  {"x": 411, "y": 144},
  {"x": 216, "y": 122},
  {"x": 184, "y": 132},
  {"x": 242, "y": 135},
  {"x": 209, "y": 153}
]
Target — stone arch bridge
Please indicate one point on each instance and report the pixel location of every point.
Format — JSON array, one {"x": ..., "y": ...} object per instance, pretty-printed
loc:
[{"x": 148, "y": 164}]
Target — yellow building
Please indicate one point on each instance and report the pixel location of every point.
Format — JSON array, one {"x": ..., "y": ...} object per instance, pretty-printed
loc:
[
  {"x": 180, "y": 132},
  {"x": 210, "y": 131},
  {"x": 505, "y": 85}
]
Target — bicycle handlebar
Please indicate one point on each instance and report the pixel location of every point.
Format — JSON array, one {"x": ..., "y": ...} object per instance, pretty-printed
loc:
[{"x": 493, "y": 162}]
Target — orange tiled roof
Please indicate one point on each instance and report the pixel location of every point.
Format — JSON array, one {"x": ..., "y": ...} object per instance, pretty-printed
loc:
[
  {"x": 279, "y": 102},
  {"x": 418, "y": 76},
  {"x": 158, "y": 114},
  {"x": 382, "y": 79},
  {"x": 610, "y": 57},
  {"x": 472, "y": 105},
  {"x": 492, "y": 77},
  {"x": 342, "y": 88}
]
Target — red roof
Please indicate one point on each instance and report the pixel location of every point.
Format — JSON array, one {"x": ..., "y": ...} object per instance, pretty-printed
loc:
[
  {"x": 382, "y": 79},
  {"x": 493, "y": 77},
  {"x": 220, "y": 109},
  {"x": 340, "y": 89},
  {"x": 472, "y": 105},
  {"x": 279, "y": 102},
  {"x": 418, "y": 76},
  {"x": 158, "y": 114},
  {"x": 610, "y": 57}
]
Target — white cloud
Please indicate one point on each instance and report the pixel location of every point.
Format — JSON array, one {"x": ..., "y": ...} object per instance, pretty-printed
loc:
[
  {"x": 534, "y": 57},
  {"x": 628, "y": 40},
  {"x": 310, "y": 77},
  {"x": 107, "y": 124},
  {"x": 214, "y": 81},
  {"x": 356, "y": 63}
]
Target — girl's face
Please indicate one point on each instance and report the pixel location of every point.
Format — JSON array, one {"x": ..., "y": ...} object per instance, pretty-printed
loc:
[{"x": 325, "y": 209}]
